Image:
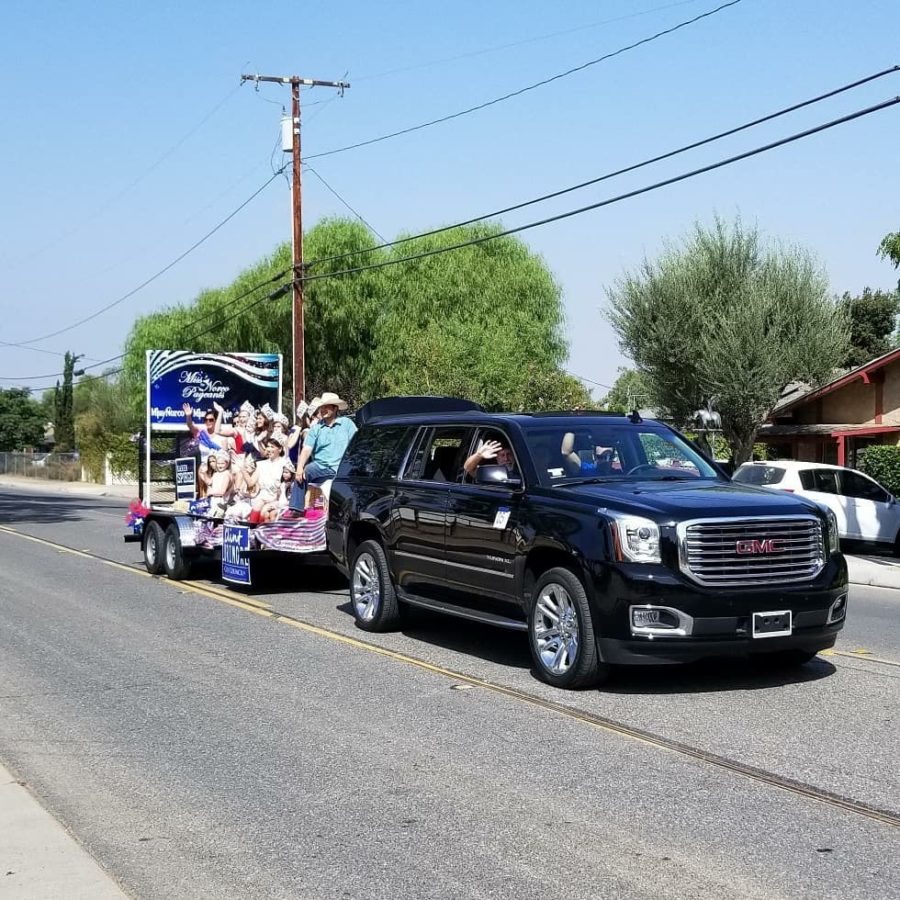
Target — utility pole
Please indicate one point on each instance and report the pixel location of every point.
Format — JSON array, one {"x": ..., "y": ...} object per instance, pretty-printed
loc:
[{"x": 299, "y": 353}]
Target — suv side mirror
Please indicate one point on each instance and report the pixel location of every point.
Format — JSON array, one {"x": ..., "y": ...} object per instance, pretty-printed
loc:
[{"x": 496, "y": 475}]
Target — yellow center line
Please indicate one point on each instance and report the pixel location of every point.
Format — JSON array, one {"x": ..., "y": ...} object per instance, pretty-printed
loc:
[
  {"x": 230, "y": 596},
  {"x": 867, "y": 657}
]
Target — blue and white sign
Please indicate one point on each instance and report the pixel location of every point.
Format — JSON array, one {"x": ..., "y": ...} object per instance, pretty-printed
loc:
[
  {"x": 176, "y": 377},
  {"x": 186, "y": 478},
  {"x": 235, "y": 538}
]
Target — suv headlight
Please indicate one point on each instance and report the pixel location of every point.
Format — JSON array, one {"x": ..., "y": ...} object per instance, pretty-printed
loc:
[
  {"x": 834, "y": 538},
  {"x": 636, "y": 539}
]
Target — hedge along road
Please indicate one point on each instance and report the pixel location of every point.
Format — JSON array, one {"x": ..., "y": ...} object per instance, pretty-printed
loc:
[{"x": 247, "y": 748}]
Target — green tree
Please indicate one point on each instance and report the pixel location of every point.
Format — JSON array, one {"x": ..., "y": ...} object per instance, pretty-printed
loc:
[
  {"x": 631, "y": 390},
  {"x": 890, "y": 248},
  {"x": 723, "y": 319},
  {"x": 339, "y": 315},
  {"x": 22, "y": 419},
  {"x": 484, "y": 322},
  {"x": 64, "y": 413},
  {"x": 104, "y": 423},
  {"x": 872, "y": 317}
]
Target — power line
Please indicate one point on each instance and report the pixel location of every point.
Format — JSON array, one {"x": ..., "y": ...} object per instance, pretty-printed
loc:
[
  {"x": 527, "y": 88},
  {"x": 197, "y": 321},
  {"x": 228, "y": 303},
  {"x": 159, "y": 273},
  {"x": 532, "y": 40},
  {"x": 36, "y": 349},
  {"x": 617, "y": 199},
  {"x": 623, "y": 171},
  {"x": 605, "y": 177},
  {"x": 131, "y": 185},
  {"x": 120, "y": 262},
  {"x": 368, "y": 225},
  {"x": 272, "y": 295},
  {"x": 588, "y": 208},
  {"x": 559, "y": 217},
  {"x": 591, "y": 381}
]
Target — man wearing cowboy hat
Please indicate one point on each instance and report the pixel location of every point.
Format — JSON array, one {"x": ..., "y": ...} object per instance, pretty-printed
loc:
[{"x": 324, "y": 445}]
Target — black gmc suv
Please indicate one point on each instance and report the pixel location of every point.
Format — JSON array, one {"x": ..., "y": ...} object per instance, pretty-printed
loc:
[{"x": 607, "y": 538}]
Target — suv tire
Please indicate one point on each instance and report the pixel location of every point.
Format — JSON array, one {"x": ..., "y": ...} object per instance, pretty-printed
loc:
[
  {"x": 372, "y": 595},
  {"x": 566, "y": 656},
  {"x": 154, "y": 538},
  {"x": 176, "y": 565}
]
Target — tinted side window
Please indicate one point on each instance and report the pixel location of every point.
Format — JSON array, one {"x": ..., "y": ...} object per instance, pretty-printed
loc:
[
  {"x": 855, "y": 485},
  {"x": 822, "y": 480},
  {"x": 374, "y": 452},
  {"x": 440, "y": 455}
]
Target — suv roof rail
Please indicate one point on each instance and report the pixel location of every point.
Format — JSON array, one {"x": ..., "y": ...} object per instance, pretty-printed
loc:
[
  {"x": 577, "y": 412},
  {"x": 405, "y": 406}
]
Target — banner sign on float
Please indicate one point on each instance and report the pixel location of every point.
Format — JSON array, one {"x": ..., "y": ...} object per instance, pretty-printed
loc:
[
  {"x": 176, "y": 377},
  {"x": 186, "y": 478},
  {"x": 235, "y": 569}
]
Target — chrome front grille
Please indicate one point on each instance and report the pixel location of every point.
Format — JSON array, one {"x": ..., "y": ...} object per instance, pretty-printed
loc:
[{"x": 748, "y": 552}]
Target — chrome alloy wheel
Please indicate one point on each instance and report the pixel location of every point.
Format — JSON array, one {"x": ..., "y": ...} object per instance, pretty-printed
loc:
[
  {"x": 555, "y": 629},
  {"x": 170, "y": 555},
  {"x": 365, "y": 588}
]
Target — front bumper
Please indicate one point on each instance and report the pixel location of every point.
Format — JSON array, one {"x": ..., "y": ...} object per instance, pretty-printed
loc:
[
  {"x": 720, "y": 621},
  {"x": 663, "y": 651}
]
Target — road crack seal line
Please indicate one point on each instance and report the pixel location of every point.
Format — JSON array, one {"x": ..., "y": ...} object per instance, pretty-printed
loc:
[
  {"x": 789, "y": 785},
  {"x": 865, "y": 657}
]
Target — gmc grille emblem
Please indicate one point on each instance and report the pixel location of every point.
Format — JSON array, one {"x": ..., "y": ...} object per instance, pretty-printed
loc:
[{"x": 769, "y": 545}]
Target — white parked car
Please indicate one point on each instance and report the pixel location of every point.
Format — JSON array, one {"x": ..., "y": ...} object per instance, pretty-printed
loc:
[{"x": 865, "y": 510}]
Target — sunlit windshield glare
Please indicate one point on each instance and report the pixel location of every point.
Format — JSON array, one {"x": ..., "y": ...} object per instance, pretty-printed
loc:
[{"x": 596, "y": 450}]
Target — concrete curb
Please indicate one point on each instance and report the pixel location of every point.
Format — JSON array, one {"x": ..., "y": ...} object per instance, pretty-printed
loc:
[
  {"x": 874, "y": 571},
  {"x": 39, "y": 858}
]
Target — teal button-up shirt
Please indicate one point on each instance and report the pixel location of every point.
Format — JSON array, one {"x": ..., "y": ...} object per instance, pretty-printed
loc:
[{"x": 328, "y": 442}]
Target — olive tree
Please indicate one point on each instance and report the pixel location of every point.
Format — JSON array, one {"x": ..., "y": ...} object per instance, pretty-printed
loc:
[{"x": 726, "y": 320}]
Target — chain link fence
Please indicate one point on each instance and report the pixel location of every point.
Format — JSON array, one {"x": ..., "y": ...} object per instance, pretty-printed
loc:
[{"x": 44, "y": 466}]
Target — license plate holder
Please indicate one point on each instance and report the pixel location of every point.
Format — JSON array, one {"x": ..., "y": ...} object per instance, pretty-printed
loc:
[{"x": 772, "y": 624}]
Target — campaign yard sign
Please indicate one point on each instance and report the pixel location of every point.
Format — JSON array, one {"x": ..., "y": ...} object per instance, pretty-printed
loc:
[
  {"x": 235, "y": 538},
  {"x": 186, "y": 478},
  {"x": 176, "y": 377}
]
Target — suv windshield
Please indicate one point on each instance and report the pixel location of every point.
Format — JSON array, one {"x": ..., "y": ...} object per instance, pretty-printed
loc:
[{"x": 594, "y": 450}]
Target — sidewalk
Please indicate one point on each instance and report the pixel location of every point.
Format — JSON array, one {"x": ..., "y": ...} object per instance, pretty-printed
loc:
[{"x": 39, "y": 859}]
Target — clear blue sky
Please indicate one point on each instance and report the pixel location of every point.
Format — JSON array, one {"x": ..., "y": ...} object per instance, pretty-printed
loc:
[{"x": 94, "y": 94}]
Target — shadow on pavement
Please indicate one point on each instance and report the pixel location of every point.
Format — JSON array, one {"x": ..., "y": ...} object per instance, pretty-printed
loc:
[
  {"x": 508, "y": 648},
  {"x": 287, "y": 575},
  {"x": 714, "y": 675},
  {"x": 24, "y": 508}
]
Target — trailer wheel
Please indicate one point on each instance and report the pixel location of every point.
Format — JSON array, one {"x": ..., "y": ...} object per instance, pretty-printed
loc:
[
  {"x": 154, "y": 538},
  {"x": 176, "y": 565}
]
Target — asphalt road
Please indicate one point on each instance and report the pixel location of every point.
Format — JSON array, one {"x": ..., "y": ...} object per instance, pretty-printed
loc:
[{"x": 205, "y": 743}]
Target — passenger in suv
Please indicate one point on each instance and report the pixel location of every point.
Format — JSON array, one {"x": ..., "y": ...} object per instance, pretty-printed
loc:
[{"x": 652, "y": 557}]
